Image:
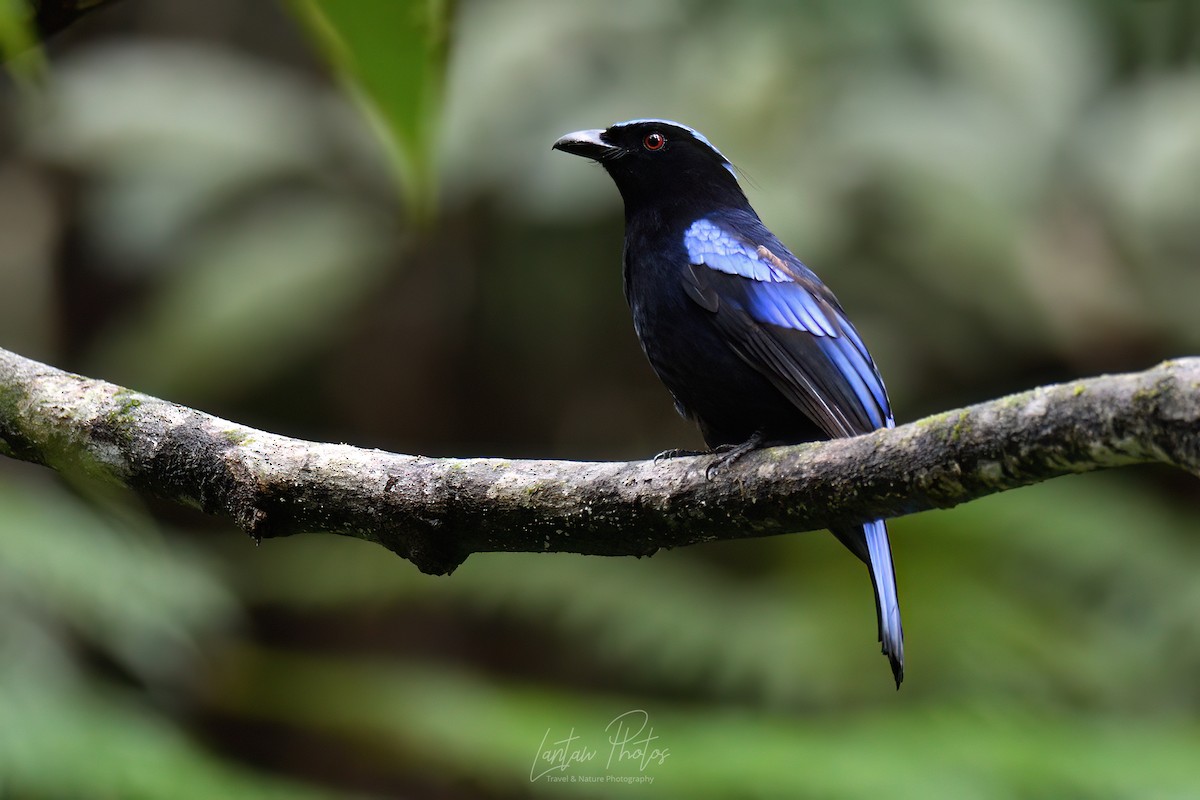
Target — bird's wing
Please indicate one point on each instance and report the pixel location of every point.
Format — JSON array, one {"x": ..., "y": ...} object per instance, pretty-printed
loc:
[
  {"x": 784, "y": 322},
  {"x": 780, "y": 318}
]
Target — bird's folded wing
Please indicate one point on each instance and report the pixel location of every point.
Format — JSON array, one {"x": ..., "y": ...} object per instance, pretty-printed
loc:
[{"x": 784, "y": 322}]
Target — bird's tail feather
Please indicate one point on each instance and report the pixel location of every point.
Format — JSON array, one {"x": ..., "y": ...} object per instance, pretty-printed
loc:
[{"x": 870, "y": 543}]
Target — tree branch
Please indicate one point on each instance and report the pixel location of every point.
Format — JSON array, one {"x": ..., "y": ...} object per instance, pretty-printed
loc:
[{"x": 437, "y": 511}]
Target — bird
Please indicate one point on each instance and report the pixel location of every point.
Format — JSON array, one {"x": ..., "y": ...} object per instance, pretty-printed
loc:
[{"x": 752, "y": 346}]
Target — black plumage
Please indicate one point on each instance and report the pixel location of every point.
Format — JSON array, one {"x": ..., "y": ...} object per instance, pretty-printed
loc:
[{"x": 751, "y": 344}]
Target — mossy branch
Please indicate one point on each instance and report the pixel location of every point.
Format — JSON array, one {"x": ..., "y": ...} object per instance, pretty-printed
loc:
[{"x": 437, "y": 511}]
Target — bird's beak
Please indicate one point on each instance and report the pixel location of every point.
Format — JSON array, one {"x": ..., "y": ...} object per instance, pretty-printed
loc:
[{"x": 585, "y": 143}]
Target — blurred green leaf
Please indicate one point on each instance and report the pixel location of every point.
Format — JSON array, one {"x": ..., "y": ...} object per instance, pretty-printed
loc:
[
  {"x": 15, "y": 31},
  {"x": 393, "y": 52},
  {"x": 18, "y": 42}
]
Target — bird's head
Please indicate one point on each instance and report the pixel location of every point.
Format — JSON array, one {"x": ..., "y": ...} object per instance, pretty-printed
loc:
[{"x": 656, "y": 162}]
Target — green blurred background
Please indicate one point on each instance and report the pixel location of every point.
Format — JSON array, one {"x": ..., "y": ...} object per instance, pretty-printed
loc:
[{"x": 343, "y": 221}]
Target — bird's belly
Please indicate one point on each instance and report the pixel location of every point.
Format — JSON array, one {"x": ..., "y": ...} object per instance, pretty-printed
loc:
[{"x": 711, "y": 383}]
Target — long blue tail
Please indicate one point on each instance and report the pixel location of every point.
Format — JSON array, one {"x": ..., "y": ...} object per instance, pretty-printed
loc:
[
  {"x": 870, "y": 543},
  {"x": 883, "y": 575}
]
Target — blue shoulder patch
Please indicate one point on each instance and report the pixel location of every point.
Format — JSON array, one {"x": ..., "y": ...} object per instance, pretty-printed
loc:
[
  {"x": 709, "y": 244},
  {"x": 775, "y": 297}
]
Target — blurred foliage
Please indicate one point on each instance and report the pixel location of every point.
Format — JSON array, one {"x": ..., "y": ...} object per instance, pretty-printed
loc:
[
  {"x": 18, "y": 41},
  {"x": 87, "y": 584},
  {"x": 15, "y": 29},
  {"x": 1002, "y": 192},
  {"x": 395, "y": 54}
]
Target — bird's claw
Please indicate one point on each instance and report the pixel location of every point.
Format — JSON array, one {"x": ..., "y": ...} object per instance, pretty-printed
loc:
[
  {"x": 677, "y": 452},
  {"x": 728, "y": 454},
  {"x": 725, "y": 454}
]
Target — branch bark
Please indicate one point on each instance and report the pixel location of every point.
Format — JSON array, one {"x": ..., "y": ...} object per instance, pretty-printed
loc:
[{"x": 437, "y": 511}]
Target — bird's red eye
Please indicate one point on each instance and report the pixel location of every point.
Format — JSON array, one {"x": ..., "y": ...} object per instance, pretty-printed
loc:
[{"x": 654, "y": 141}]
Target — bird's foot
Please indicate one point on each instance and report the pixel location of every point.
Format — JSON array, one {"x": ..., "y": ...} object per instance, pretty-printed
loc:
[
  {"x": 728, "y": 454},
  {"x": 676, "y": 452}
]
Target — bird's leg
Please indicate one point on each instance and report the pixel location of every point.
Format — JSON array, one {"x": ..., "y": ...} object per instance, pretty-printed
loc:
[
  {"x": 676, "y": 452},
  {"x": 727, "y": 454}
]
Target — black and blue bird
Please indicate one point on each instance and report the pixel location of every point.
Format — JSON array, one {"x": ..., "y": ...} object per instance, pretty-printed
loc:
[{"x": 751, "y": 344}]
